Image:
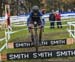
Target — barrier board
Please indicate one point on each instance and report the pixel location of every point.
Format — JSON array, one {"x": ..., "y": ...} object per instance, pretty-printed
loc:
[
  {"x": 38, "y": 55},
  {"x": 43, "y": 43}
]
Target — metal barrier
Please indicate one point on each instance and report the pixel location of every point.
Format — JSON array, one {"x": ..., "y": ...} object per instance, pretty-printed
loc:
[
  {"x": 71, "y": 28},
  {"x": 8, "y": 33}
]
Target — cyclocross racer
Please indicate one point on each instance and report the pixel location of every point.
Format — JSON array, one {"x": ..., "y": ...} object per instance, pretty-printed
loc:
[{"x": 35, "y": 15}]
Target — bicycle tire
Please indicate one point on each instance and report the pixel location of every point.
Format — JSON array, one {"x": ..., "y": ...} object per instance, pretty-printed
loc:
[{"x": 36, "y": 37}]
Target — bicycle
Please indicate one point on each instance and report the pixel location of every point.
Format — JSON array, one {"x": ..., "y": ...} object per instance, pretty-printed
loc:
[{"x": 37, "y": 40}]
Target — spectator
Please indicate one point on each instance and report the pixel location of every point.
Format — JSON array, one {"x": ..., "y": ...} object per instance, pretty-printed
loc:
[
  {"x": 58, "y": 19},
  {"x": 73, "y": 9},
  {"x": 61, "y": 10},
  {"x": 43, "y": 11},
  {"x": 52, "y": 19},
  {"x": 69, "y": 10}
]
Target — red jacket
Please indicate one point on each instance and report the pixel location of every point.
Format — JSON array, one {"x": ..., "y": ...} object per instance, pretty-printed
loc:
[
  {"x": 8, "y": 18},
  {"x": 57, "y": 17}
]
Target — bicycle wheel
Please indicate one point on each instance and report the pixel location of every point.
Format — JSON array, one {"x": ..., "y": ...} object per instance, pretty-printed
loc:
[{"x": 36, "y": 42}]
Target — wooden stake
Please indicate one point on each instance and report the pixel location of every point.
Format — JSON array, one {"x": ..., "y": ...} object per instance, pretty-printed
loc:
[{"x": 70, "y": 41}]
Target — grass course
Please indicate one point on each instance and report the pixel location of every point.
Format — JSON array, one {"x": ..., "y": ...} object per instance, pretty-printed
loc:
[{"x": 48, "y": 34}]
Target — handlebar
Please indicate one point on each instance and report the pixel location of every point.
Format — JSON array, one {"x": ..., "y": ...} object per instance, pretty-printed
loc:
[{"x": 35, "y": 26}]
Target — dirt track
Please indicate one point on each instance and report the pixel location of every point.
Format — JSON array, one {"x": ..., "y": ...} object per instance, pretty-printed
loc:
[{"x": 49, "y": 36}]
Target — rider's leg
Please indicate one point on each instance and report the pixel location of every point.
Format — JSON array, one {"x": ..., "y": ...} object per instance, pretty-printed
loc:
[
  {"x": 40, "y": 34},
  {"x": 32, "y": 34},
  {"x": 40, "y": 30}
]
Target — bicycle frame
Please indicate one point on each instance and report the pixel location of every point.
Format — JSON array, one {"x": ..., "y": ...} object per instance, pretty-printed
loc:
[{"x": 37, "y": 40}]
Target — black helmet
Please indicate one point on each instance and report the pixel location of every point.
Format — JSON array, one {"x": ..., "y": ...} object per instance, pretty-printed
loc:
[{"x": 35, "y": 8}]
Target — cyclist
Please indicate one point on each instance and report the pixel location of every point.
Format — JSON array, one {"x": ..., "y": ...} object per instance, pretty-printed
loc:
[{"x": 35, "y": 15}]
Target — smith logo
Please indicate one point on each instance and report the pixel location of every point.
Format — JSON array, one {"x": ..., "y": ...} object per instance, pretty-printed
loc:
[{"x": 41, "y": 54}]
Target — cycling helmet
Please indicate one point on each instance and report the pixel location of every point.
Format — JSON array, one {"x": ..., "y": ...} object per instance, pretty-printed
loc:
[{"x": 35, "y": 8}]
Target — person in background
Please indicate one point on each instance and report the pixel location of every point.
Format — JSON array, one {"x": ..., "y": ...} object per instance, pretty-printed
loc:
[
  {"x": 69, "y": 10},
  {"x": 73, "y": 9},
  {"x": 52, "y": 19},
  {"x": 7, "y": 18},
  {"x": 43, "y": 11},
  {"x": 58, "y": 19}
]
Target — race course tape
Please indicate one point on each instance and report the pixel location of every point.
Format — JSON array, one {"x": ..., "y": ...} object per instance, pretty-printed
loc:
[{"x": 2, "y": 39}]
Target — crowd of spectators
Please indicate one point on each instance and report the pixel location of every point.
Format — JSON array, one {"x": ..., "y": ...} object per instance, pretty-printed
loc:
[
  {"x": 54, "y": 17},
  {"x": 67, "y": 11}
]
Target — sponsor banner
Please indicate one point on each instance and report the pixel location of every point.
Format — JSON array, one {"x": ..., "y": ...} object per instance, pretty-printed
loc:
[
  {"x": 43, "y": 43},
  {"x": 24, "y": 18},
  {"x": 63, "y": 16},
  {"x": 41, "y": 54},
  {"x": 67, "y": 41},
  {"x": 23, "y": 44},
  {"x": 18, "y": 18}
]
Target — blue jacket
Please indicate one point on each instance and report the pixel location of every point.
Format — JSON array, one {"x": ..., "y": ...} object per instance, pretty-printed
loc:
[
  {"x": 39, "y": 14},
  {"x": 51, "y": 17}
]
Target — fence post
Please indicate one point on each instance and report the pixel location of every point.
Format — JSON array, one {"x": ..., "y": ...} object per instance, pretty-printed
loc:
[
  {"x": 69, "y": 28},
  {"x": 6, "y": 38}
]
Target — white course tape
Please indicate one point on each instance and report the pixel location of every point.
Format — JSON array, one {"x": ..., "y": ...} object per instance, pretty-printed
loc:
[
  {"x": 3, "y": 47},
  {"x": 2, "y": 39},
  {"x": 15, "y": 32}
]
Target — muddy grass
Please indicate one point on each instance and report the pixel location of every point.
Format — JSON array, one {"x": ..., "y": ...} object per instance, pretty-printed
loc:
[
  {"x": 49, "y": 36},
  {"x": 46, "y": 36},
  {"x": 2, "y": 34}
]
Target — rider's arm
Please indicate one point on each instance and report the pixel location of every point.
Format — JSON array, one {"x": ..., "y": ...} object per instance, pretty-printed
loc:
[
  {"x": 40, "y": 14},
  {"x": 29, "y": 19},
  {"x": 27, "y": 22}
]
